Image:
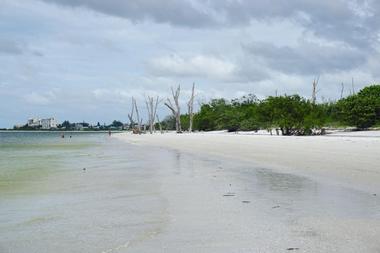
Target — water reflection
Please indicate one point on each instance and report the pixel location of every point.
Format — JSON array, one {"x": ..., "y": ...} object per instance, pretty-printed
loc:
[{"x": 303, "y": 196}]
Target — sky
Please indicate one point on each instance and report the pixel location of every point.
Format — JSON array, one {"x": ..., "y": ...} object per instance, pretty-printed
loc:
[{"x": 83, "y": 60}]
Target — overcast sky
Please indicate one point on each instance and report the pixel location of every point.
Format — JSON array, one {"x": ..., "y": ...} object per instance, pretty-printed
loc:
[{"x": 84, "y": 59}]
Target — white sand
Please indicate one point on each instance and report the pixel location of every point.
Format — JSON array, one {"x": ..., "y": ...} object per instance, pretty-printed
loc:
[
  {"x": 350, "y": 159},
  {"x": 327, "y": 201}
]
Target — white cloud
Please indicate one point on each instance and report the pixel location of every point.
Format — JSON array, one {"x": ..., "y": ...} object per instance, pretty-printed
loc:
[{"x": 193, "y": 66}]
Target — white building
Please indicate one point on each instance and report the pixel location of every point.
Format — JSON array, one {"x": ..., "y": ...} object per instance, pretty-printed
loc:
[
  {"x": 48, "y": 123},
  {"x": 34, "y": 122}
]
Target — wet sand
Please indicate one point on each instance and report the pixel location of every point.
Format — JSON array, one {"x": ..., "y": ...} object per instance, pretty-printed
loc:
[
  {"x": 245, "y": 204},
  {"x": 350, "y": 159}
]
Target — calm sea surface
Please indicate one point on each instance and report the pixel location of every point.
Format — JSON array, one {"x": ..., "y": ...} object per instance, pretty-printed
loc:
[{"x": 87, "y": 193}]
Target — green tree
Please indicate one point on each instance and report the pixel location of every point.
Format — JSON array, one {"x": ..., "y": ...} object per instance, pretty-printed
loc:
[
  {"x": 116, "y": 123},
  {"x": 363, "y": 109},
  {"x": 67, "y": 125}
]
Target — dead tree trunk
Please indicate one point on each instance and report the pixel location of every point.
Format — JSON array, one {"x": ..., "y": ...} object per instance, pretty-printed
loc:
[
  {"x": 190, "y": 106},
  {"x": 152, "y": 110},
  {"x": 139, "y": 121},
  {"x": 176, "y": 108},
  {"x": 315, "y": 91},
  {"x": 158, "y": 101}
]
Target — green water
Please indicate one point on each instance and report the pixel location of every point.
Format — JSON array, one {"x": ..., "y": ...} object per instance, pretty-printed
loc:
[
  {"x": 49, "y": 203},
  {"x": 26, "y": 158}
]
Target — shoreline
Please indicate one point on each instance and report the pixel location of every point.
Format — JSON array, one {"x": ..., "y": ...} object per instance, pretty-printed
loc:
[{"x": 346, "y": 159}]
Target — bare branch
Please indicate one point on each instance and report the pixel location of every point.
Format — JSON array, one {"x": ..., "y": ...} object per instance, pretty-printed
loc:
[
  {"x": 176, "y": 108},
  {"x": 190, "y": 106}
]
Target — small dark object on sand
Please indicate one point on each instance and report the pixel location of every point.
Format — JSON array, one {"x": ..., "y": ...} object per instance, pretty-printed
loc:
[
  {"x": 230, "y": 194},
  {"x": 374, "y": 194},
  {"x": 246, "y": 201},
  {"x": 84, "y": 168},
  {"x": 292, "y": 248},
  {"x": 275, "y": 206}
]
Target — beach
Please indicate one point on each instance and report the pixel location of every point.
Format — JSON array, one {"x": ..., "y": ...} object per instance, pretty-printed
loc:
[
  {"x": 272, "y": 193},
  {"x": 348, "y": 158},
  {"x": 165, "y": 193}
]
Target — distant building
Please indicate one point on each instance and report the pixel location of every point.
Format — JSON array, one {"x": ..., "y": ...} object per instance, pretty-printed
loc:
[
  {"x": 48, "y": 123},
  {"x": 34, "y": 122},
  {"x": 79, "y": 126}
]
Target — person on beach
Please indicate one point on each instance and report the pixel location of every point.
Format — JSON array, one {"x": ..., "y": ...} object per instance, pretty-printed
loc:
[{"x": 109, "y": 132}]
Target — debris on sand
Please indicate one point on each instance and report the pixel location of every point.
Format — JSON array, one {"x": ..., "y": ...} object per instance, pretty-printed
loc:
[
  {"x": 292, "y": 248},
  {"x": 229, "y": 194},
  {"x": 246, "y": 201},
  {"x": 275, "y": 206}
]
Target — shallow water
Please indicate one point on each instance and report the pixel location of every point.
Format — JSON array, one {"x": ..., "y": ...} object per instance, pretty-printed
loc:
[{"x": 139, "y": 199}]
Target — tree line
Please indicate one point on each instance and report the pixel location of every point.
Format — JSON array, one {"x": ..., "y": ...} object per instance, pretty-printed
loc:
[{"x": 285, "y": 114}]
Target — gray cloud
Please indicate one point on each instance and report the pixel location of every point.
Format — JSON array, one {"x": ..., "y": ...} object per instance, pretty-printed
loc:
[
  {"x": 352, "y": 21},
  {"x": 10, "y": 47},
  {"x": 308, "y": 58},
  {"x": 182, "y": 13}
]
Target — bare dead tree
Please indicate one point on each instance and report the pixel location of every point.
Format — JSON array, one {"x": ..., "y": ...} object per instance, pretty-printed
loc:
[
  {"x": 151, "y": 106},
  {"x": 342, "y": 90},
  {"x": 315, "y": 91},
  {"x": 353, "y": 86},
  {"x": 158, "y": 101},
  {"x": 190, "y": 108},
  {"x": 139, "y": 121},
  {"x": 175, "y": 109}
]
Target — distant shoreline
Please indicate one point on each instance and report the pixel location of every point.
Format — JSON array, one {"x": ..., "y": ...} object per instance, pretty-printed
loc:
[{"x": 66, "y": 131}]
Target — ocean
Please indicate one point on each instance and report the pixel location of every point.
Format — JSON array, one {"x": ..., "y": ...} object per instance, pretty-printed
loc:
[{"x": 87, "y": 193}]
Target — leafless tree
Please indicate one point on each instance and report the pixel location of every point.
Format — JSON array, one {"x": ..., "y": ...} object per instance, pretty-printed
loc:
[
  {"x": 132, "y": 120},
  {"x": 341, "y": 90},
  {"x": 139, "y": 121},
  {"x": 353, "y": 86},
  {"x": 175, "y": 109},
  {"x": 151, "y": 106},
  {"x": 190, "y": 107},
  {"x": 315, "y": 91}
]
